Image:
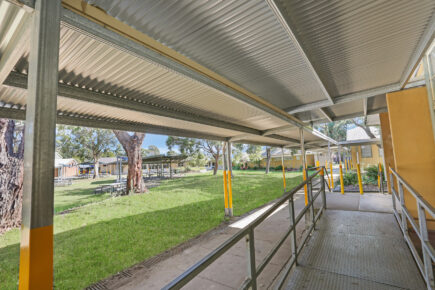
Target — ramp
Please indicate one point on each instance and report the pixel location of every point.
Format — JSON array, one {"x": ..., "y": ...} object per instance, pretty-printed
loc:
[{"x": 356, "y": 250}]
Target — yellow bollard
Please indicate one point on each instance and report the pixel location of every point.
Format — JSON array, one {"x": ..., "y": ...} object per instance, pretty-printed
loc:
[
  {"x": 326, "y": 171},
  {"x": 283, "y": 176},
  {"x": 225, "y": 191},
  {"x": 332, "y": 176},
  {"x": 358, "y": 171},
  {"x": 230, "y": 192},
  {"x": 379, "y": 175},
  {"x": 317, "y": 163},
  {"x": 341, "y": 180},
  {"x": 305, "y": 186}
]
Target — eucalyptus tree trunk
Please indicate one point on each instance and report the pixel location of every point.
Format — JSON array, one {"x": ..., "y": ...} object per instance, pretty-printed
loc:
[
  {"x": 96, "y": 168},
  {"x": 216, "y": 163},
  {"x": 132, "y": 145},
  {"x": 267, "y": 160},
  {"x": 11, "y": 176}
]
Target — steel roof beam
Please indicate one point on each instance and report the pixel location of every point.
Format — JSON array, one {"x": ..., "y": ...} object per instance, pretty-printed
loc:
[
  {"x": 423, "y": 44},
  {"x": 20, "y": 81},
  {"x": 277, "y": 9},
  {"x": 365, "y": 107},
  {"x": 327, "y": 116},
  {"x": 354, "y": 115},
  {"x": 277, "y": 130},
  {"x": 73, "y": 119}
]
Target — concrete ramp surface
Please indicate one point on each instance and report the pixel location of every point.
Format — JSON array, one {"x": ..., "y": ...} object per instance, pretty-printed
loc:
[{"x": 356, "y": 250}]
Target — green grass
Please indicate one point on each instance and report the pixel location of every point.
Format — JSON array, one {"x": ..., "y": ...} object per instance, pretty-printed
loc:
[
  {"x": 101, "y": 239},
  {"x": 79, "y": 193}
]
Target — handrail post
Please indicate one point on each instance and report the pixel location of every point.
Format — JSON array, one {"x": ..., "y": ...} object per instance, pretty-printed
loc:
[
  {"x": 322, "y": 188},
  {"x": 294, "y": 248},
  {"x": 402, "y": 205},
  {"x": 250, "y": 254},
  {"x": 392, "y": 191},
  {"x": 425, "y": 239}
]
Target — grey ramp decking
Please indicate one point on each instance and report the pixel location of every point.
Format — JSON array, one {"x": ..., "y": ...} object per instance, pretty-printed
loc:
[{"x": 356, "y": 250}]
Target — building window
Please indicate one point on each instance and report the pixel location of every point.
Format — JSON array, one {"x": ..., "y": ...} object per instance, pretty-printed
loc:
[{"x": 366, "y": 151}]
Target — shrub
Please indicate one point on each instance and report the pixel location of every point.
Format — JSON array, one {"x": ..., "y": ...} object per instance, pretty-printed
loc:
[
  {"x": 188, "y": 169},
  {"x": 371, "y": 175},
  {"x": 279, "y": 167},
  {"x": 300, "y": 168},
  {"x": 255, "y": 168},
  {"x": 350, "y": 178}
]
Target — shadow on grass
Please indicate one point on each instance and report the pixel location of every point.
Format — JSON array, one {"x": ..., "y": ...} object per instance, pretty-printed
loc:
[{"x": 88, "y": 254}]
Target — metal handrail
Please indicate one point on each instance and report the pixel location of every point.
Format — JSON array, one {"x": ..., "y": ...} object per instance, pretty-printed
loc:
[
  {"x": 404, "y": 217},
  {"x": 248, "y": 233}
]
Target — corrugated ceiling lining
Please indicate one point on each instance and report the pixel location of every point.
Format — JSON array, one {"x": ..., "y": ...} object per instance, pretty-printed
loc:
[
  {"x": 241, "y": 40},
  {"x": 10, "y": 17},
  {"x": 17, "y": 97},
  {"x": 358, "y": 44},
  {"x": 90, "y": 64}
]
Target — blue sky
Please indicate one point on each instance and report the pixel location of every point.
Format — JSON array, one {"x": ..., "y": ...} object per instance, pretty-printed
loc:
[{"x": 157, "y": 140}]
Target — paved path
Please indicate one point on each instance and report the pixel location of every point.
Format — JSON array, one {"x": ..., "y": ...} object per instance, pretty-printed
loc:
[
  {"x": 356, "y": 250},
  {"x": 229, "y": 271}
]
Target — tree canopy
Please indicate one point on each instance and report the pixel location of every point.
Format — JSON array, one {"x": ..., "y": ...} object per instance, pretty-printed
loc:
[{"x": 85, "y": 144}]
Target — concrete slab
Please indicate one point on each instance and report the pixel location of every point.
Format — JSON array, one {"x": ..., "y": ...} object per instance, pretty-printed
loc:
[
  {"x": 354, "y": 247},
  {"x": 376, "y": 203}
]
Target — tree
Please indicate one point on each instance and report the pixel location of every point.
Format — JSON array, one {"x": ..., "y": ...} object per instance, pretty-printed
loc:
[
  {"x": 268, "y": 157},
  {"x": 11, "y": 174},
  {"x": 337, "y": 130},
  {"x": 362, "y": 124},
  {"x": 254, "y": 152},
  {"x": 152, "y": 150},
  {"x": 190, "y": 146},
  {"x": 85, "y": 144},
  {"x": 132, "y": 145}
]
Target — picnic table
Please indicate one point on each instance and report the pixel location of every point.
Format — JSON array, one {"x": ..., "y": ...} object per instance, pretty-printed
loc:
[{"x": 113, "y": 188}]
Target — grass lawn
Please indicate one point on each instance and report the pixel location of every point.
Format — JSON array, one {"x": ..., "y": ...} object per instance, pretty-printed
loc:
[
  {"x": 79, "y": 193},
  {"x": 98, "y": 240}
]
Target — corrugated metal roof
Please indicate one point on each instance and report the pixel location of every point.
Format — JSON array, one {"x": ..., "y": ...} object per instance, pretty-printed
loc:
[
  {"x": 353, "y": 45},
  {"x": 360, "y": 45},
  {"x": 240, "y": 40}
]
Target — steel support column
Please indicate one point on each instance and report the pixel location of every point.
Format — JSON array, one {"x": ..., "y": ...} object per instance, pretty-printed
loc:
[
  {"x": 283, "y": 169},
  {"x": 230, "y": 184},
  {"x": 224, "y": 174},
  {"x": 304, "y": 163},
  {"x": 36, "y": 252}
]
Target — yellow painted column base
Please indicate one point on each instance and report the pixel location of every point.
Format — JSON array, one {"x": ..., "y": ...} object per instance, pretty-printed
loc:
[
  {"x": 332, "y": 177},
  {"x": 36, "y": 258},
  {"x": 305, "y": 186},
  {"x": 358, "y": 171},
  {"x": 341, "y": 180},
  {"x": 230, "y": 193},
  {"x": 225, "y": 191}
]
